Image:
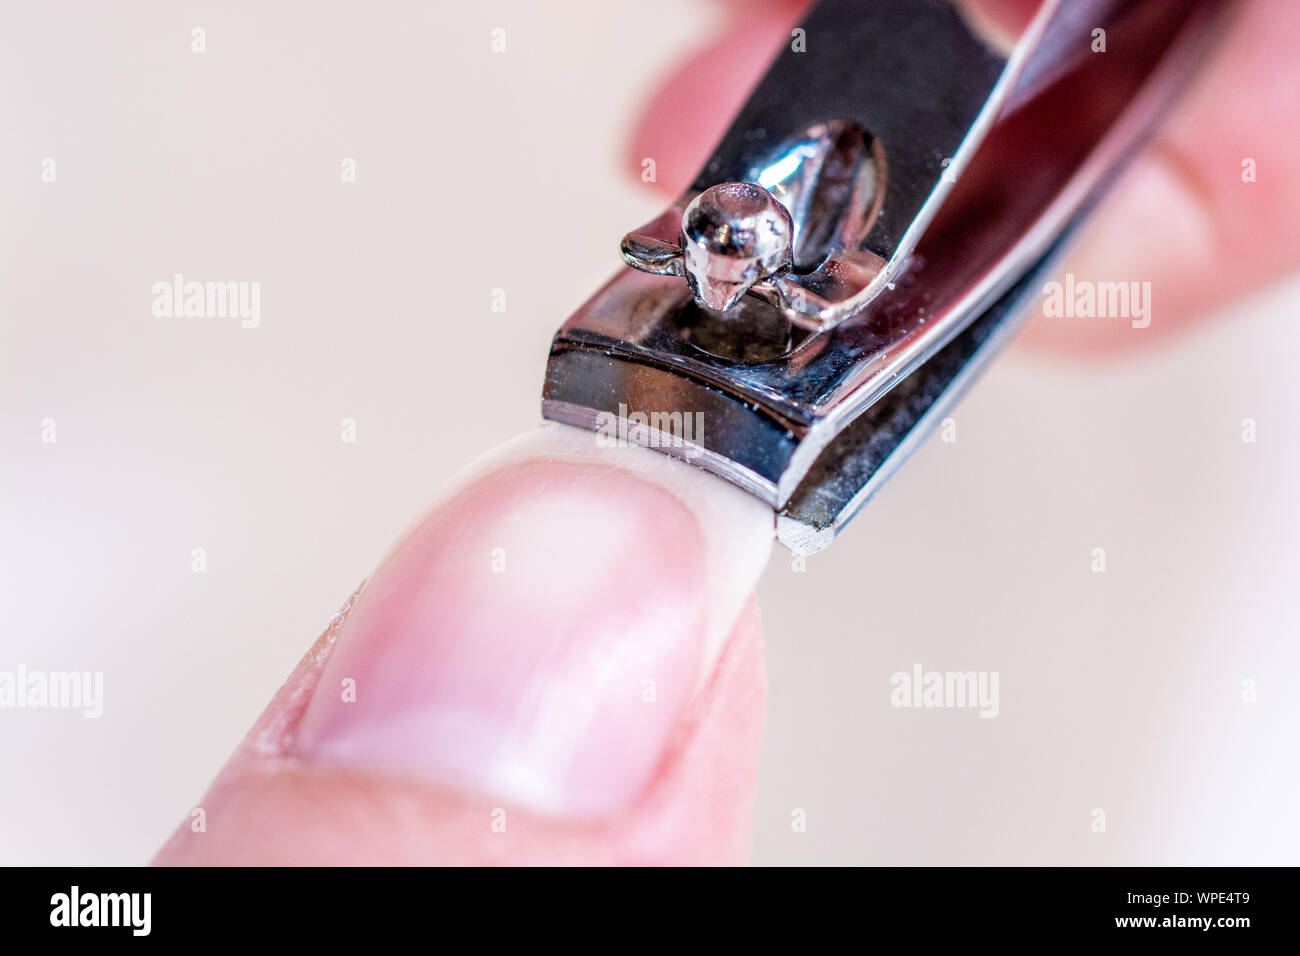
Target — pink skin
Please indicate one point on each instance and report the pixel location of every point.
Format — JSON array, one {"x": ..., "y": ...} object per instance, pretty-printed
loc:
[
  {"x": 521, "y": 691},
  {"x": 523, "y": 680}
]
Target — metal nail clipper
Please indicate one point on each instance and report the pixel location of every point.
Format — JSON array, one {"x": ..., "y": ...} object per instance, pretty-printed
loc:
[{"x": 865, "y": 237}]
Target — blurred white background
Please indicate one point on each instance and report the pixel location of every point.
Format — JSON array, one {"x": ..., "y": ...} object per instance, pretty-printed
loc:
[{"x": 1120, "y": 690}]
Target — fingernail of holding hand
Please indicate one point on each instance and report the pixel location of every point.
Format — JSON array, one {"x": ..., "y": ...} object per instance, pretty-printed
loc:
[{"x": 535, "y": 639}]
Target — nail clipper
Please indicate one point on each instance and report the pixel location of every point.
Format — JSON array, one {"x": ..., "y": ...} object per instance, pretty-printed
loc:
[{"x": 867, "y": 235}]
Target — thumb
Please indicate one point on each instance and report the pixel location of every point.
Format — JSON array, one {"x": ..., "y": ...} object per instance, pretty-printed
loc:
[{"x": 561, "y": 663}]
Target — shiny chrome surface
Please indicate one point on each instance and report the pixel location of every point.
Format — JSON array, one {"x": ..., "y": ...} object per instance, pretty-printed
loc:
[
  {"x": 828, "y": 183},
  {"x": 733, "y": 236},
  {"x": 914, "y": 88},
  {"x": 793, "y": 415}
]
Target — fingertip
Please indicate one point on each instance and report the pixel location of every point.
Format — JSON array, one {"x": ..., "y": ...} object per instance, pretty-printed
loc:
[
  {"x": 539, "y": 644},
  {"x": 696, "y": 810},
  {"x": 510, "y": 643}
]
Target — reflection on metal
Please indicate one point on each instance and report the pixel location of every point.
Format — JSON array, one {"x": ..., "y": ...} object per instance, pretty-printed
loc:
[{"x": 865, "y": 236}]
